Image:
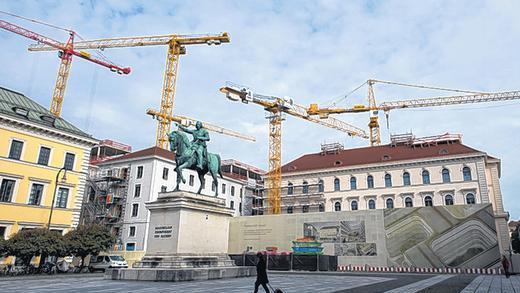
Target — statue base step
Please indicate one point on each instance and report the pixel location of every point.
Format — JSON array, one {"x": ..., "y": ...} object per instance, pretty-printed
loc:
[
  {"x": 179, "y": 275},
  {"x": 186, "y": 260}
]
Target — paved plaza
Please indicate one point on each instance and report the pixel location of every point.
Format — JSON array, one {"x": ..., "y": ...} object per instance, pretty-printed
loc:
[{"x": 296, "y": 283}]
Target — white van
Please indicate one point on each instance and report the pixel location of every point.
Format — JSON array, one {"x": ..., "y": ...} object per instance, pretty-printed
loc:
[{"x": 103, "y": 262}]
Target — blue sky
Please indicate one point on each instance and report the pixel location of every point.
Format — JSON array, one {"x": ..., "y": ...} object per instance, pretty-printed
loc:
[{"x": 312, "y": 51}]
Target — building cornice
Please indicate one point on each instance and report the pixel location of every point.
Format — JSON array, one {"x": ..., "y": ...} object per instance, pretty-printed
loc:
[
  {"x": 382, "y": 167},
  {"x": 151, "y": 159},
  {"x": 2, "y": 158},
  {"x": 35, "y": 206},
  {"x": 48, "y": 131}
]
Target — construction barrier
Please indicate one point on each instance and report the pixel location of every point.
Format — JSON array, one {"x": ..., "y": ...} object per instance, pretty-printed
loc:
[{"x": 366, "y": 268}]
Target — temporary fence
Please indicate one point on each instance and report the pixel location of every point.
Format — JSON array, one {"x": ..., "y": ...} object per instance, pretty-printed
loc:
[
  {"x": 289, "y": 261},
  {"x": 367, "y": 268}
]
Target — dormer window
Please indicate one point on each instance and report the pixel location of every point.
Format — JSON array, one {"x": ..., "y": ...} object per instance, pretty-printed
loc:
[
  {"x": 48, "y": 119},
  {"x": 21, "y": 111},
  {"x": 386, "y": 157},
  {"x": 443, "y": 152}
]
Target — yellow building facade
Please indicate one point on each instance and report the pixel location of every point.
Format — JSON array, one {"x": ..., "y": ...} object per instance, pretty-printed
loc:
[{"x": 34, "y": 147}]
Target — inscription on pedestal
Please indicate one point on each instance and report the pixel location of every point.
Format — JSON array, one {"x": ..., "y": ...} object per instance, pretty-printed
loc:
[{"x": 162, "y": 232}]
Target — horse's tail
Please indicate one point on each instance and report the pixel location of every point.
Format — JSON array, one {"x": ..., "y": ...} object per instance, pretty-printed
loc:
[{"x": 219, "y": 167}]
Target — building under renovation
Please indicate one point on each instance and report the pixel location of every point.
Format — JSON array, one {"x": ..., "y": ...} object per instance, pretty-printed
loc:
[
  {"x": 415, "y": 202},
  {"x": 106, "y": 188},
  {"x": 408, "y": 172},
  {"x": 122, "y": 182},
  {"x": 251, "y": 177}
]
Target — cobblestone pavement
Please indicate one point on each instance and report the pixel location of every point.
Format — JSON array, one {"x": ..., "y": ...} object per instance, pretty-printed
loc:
[
  {"x": 327, "y": 283},
  {"x": 494, "y": 284}
]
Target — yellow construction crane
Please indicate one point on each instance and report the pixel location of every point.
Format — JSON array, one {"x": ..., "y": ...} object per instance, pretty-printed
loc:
[
  {"x": 276, "y": 107},
  {"x": 375, "y": 136},
  {"x": 66, "y": 52},
  {"x": 176, "y": 47}
]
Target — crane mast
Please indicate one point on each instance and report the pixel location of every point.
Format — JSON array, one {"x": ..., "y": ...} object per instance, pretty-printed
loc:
[
  {"x": 66, "y": 50},
  {"x": 277, "y": 107},
  {"x": 373, "y": 124},
  {"x": 176, "y": 47}
]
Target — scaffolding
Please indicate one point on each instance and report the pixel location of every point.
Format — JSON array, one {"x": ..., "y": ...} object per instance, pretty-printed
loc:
[
  {"x": 409, "y": 139},
  {"x": 106, "y": 197},
  {"x": 331, "y": 148}
]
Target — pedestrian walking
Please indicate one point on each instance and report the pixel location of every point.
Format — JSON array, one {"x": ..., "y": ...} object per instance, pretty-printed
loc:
[
  {"x": 505, "y": 265},
  {"x": 261, "y": 273}
]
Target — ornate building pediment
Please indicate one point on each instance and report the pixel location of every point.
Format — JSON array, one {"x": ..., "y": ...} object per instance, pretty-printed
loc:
[{"x": 406, "y": 194}]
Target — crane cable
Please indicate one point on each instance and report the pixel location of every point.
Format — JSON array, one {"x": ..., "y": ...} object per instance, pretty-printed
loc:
[
  {"x": 36, "y": 21},
  {"x": 342, "y": 98},
  {"x": 427, "y": 87},
  {"x": 98, "y": 51}
]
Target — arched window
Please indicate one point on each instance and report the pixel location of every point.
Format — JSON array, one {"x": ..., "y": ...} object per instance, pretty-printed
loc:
[
  {"x": 353, "y": 183},
  {"x": 425, "y": 177},
  {"x": 388, "y": 180},
  {"x": 406, "y": 179},
  {"x": 290, "y": 210},
  {"x": 353, "y": 205},
  {"x": 371, "y": 204},
  {"x": 448, "y": 200},
  {"x": 320, "y": 186},
  {"x": 305, "y": 187},
  {"x": 470, "y": 198},
  {"x": 370, "y": 181},
  {"x": 389, "y": 203},
  {"x": 321, "y": 207},
  {"x": 466, "y": 173},
  {"x": 337, "y": 185},
  {"x": 290, "y": 189},
  {"x": 445, "y": 176},
  {"x": 337, "y": 206},
  {"x": 428, "y": 202},
  {"x": 408, "y": 202}
]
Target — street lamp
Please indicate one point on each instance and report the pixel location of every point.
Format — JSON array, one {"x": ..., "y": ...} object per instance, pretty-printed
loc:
[{"x": 63, "y": 179}]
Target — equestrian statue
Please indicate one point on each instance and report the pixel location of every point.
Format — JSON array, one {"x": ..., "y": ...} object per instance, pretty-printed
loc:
[{"x": 194, "y": 155}]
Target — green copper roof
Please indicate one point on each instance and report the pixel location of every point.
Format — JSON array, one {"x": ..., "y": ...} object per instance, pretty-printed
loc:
[{"x": 19, "y": 106}]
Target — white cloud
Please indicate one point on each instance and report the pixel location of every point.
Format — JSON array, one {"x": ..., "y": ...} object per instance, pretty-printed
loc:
[{"x": 311, "y": 51}]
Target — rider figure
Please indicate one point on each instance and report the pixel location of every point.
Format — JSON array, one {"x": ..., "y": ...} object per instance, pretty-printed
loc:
[{"x": 200, "y": 136}]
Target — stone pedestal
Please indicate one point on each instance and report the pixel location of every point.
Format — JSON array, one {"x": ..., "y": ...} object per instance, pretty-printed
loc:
[{"x": 187, "y": 240}]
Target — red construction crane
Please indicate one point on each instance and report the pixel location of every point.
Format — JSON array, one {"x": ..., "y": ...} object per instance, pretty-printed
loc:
[{"x": 66, "y": 51}]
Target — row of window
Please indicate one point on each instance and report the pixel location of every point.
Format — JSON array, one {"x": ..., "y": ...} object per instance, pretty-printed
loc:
[
  {"x": 137, "y": 189},
  {"x": 466, "y": 174},
  {"x": 244, "y": 173},
  {"x": 191, "y": 182},
  {"x": 305, "y": 208},
  {"x": 16, "y": 148},
  {"x": 389, "y": 203},
  {"x": 36, "y": 194}
]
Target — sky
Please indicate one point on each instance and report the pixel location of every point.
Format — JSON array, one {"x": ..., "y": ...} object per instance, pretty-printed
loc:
[{"x": 311, "y": 51}]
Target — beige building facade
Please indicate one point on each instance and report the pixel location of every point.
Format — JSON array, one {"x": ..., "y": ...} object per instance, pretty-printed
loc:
[{"x": 437, "y": 171}]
